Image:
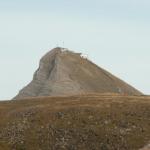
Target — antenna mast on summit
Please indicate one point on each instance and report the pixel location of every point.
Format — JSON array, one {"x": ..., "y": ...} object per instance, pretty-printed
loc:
[
  {"x": 57, "y": 45},
  {"x": 63, "y": 44}
]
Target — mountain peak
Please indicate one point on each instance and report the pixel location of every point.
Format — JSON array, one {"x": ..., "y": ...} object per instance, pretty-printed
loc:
[
  {"x": 64, "y": 72},
  {"x": 58, "y": 51}
]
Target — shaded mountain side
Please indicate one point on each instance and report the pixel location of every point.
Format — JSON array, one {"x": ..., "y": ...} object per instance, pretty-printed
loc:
[
  {"x": 87, "y": 122},
  {"x": 63, "y": 72}
]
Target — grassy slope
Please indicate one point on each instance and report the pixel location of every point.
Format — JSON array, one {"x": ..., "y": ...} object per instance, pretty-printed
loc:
[{"x": 89, "y": 122}]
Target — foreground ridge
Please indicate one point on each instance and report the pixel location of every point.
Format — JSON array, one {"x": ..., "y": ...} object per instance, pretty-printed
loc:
[{"x": 89, "y": 122}]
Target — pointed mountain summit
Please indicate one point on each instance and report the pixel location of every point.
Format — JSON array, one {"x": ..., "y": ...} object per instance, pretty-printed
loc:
[{"x": 63, "y": 72}]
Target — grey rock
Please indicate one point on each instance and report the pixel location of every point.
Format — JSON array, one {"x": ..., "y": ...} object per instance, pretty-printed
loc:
[{"x": 62, "y": 72}]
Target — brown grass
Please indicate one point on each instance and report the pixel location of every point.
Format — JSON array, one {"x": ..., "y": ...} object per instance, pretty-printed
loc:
[{"x": 87, "y": 122}]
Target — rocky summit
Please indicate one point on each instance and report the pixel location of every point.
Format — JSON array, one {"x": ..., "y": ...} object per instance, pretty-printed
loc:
[{"x": 63, "y": 72}]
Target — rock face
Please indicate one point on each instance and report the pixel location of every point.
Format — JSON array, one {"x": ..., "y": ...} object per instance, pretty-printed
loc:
[
  {"x": 147, "y": 147},
  {"x": 63, "y": 72}
]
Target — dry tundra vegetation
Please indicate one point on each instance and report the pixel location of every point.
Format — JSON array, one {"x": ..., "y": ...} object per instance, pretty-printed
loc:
[{"x": 87, "y": 122}]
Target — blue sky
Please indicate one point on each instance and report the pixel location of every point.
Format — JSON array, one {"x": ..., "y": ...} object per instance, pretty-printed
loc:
[{"x": 114, "y": 33}]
